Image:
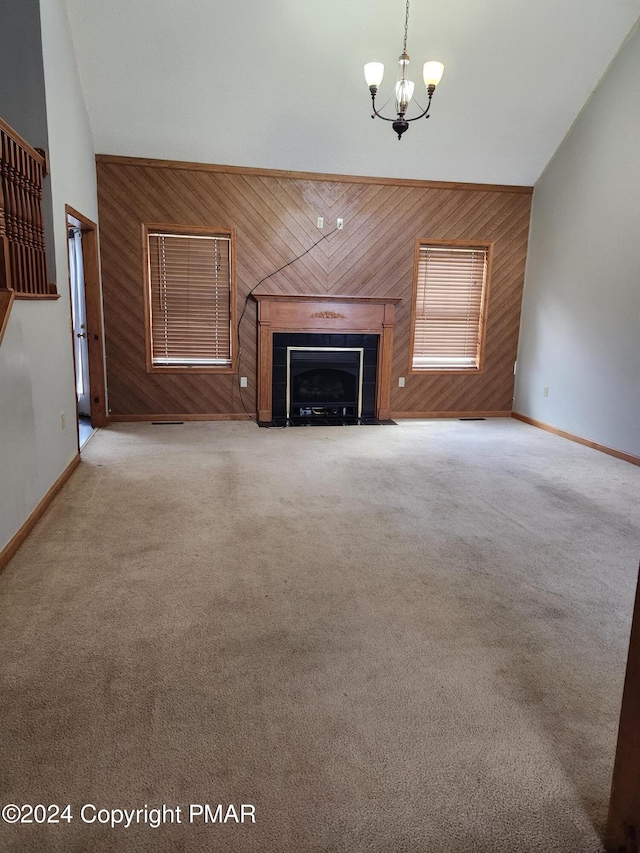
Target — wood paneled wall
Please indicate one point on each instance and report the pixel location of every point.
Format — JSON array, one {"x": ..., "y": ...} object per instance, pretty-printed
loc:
[{"x": 274, "y": 215}]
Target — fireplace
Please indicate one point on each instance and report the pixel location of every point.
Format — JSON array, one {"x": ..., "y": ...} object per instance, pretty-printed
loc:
[{"x": 324, "y": 357}]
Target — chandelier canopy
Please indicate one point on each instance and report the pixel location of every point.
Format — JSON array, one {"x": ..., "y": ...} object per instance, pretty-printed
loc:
[{"x": 431, "y": 74}]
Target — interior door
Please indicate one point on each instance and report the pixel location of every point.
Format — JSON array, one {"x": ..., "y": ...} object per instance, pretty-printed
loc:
[{"x": 79, "y": 317}]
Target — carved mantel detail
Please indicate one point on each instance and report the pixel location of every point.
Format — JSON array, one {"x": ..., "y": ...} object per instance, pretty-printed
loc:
[
  {"x": 320, "y": 313},
  {"x": 328, "y": 315}
]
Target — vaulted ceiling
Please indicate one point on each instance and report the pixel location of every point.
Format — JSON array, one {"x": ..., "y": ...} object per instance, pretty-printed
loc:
[{"x": 279, "y": 83}]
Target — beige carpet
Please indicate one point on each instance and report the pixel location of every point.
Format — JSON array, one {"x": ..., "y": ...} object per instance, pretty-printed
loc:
[{"x": 385, "y": 639}]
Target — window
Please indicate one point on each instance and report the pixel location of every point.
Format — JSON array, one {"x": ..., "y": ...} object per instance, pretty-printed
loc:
[
  {"x": 190, "y": 300},
  {"x": 449, "y": 306}
]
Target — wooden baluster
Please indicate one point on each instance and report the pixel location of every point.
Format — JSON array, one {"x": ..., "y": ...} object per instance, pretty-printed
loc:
[
  {"x": 21, "y": 271},
  {"x": 32, "y": 222},
  {"x": 24, "y": 224},
  {"x": 5, "y": 280},
  {"x": 40, "y": 221},
  {"x": 33, "y": 187},
  {"x": 26, "y": 212},
  {"x": 36, "y": 228},
  {"x": 10, "y": 207},
  {"x": 24, "y": 197},
  {"x": 4, "y": 174},
  {"x": 12, "y": 225},
  {"x": 5, "y": 268},
  {"x": 26, "y": 219},
  {"x": 13, "y": 217}
]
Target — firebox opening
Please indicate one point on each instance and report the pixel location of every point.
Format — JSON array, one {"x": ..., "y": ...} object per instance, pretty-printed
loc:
[{"x": 324, "y": 382}]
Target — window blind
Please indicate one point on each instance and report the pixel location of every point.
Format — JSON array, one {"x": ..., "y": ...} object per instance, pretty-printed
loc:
[
  {"x": 449, "y": 308},
  {"x": 190, "y": 290}
]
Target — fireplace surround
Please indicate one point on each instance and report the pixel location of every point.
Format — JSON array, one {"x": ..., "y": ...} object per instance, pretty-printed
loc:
[
  {"x": 319, "y": 376},
  {"x": 324, "y": 324}
]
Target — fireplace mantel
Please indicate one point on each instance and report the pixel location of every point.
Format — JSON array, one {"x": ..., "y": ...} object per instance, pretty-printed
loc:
[{"x": 278, "y": 312}]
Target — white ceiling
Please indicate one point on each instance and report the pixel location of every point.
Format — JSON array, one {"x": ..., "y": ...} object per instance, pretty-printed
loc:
[{"x": 279, "y": 83}]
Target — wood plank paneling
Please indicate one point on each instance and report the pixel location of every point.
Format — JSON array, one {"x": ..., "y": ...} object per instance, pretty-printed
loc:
[{"x": 274, "y": 215}]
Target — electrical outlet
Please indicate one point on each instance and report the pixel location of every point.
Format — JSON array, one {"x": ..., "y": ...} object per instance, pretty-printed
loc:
[
  {"x": 401, "y": 382},
  {"x": 62, "y": 420},
  {"x": 340, "y": 223},
  {"x": 545, "y": 391},
  {"x": 320, "y": 222},
  {"x": 243, "y": 381}
]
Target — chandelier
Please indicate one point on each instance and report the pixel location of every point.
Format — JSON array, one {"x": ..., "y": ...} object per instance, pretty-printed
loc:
[{"x": 431, "y": 73}]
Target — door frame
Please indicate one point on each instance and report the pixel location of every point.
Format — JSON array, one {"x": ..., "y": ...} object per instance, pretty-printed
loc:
[{"x": 95, "y": 326}]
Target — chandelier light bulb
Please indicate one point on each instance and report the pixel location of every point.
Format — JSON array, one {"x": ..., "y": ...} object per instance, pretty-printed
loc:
[
  {"x": 373, "y": 72},
  {"x": 432, "y": 73}
]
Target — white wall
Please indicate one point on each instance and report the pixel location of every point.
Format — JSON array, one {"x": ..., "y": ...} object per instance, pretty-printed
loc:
[
  {"x": 73, "y": 169},
  {"x": 36, "y": 360},
  {"x": 580, "y": 331},
  {"x": 22, "y": 101}
]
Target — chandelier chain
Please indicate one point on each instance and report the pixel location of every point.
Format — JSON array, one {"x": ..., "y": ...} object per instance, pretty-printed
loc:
[{"x": 406, "y": 27}]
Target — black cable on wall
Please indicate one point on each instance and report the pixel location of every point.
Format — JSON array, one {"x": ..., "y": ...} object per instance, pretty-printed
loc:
[{"x": 246, "y": 302}]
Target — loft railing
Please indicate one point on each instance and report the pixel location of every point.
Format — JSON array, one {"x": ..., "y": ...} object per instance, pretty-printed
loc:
[{"x": 23, "y": 266}]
